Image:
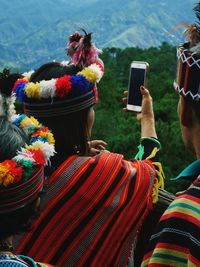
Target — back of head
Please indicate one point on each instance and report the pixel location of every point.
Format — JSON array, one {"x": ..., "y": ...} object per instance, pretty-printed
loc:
[
  {"x": 11, "y": 137},
  {"x": 25, "y": 146},
  {"x": 187, "y": 81},
  {"x": 61, "y": 96}
]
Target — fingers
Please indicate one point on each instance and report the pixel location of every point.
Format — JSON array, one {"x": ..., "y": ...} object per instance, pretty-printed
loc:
[
  {"x": 98, "y": 144},
  {"x": 124, "y": 99},
  {"x": 139, "y": 116},
  {"x": 126, "y": 93},
  {"x": 145, "y": 92},
  {"x": 94, "y": 151}
]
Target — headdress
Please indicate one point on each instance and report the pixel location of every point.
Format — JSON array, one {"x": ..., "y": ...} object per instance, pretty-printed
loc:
[
  {"x": 60, "y": 96},
  {"x": 187, "y": 81},
  {"x": 21, "y": 178},
  {"x": 82, "y": 50}
]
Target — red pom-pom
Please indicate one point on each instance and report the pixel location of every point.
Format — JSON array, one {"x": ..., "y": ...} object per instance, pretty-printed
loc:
[
  {"x": 12, "y": 168},
  {"x": 38, "y": 132},
  {"x": 63, "y": 86},
  {"x": 38, "y": 156}
]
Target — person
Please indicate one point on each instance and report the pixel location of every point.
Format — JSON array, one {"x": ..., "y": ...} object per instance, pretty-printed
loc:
[
  {"x": 94, "y": 205},
  {"x": 22, "y": 157},
  {"x": 176, "y": 241}
]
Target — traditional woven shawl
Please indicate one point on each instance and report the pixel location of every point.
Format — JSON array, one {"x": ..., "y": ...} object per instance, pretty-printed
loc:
[
  {"x": 176, "y": 241},
  {"x": 92, "y": 212}
]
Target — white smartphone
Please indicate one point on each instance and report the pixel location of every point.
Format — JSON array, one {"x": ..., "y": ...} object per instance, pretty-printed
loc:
[{"x": 137, "y": 77}]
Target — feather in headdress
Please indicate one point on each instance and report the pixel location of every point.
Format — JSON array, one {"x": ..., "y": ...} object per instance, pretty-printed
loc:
[{"x": 82, "y": 50}]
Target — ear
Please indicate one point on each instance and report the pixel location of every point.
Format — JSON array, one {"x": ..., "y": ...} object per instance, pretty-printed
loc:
[{"x": 186, "y": 113}]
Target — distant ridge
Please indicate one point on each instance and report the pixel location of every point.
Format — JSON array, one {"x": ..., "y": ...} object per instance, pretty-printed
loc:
[{"x": 35, "y": 31}]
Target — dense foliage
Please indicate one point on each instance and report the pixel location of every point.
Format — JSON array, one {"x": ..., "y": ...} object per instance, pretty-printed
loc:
[{"x": 121, "y": 130}]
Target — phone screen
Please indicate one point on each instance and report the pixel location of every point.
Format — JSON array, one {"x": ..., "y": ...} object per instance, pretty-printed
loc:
[{"x": 137, "y": 78}]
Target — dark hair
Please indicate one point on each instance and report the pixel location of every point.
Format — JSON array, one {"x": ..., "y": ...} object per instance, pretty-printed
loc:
[
  {"x": 53, "y": 70},
  {"x": 7, "y": 81},
  {"x": 70, "y": 131},
  {"x": 18, "y": 221},
  {"x": 11, "y": 139}
]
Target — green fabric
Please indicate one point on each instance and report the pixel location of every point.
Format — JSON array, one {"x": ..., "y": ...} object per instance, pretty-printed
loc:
[
  {"x": 139, "y": 155},
  {"x": 191, "y": 172}
]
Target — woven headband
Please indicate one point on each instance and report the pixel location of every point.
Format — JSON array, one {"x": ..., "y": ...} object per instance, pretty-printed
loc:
[
  {"x": 59, "y": 108},
  {"x": 60, "y": 96},
  {"x": 18, "y": 196},
  {"x": 187, "y": 81}
]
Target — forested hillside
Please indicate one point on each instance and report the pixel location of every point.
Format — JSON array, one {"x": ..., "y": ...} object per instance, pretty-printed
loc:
[
  {"x": 121, "y": 130},
  {"x": 34, "y": 31}
]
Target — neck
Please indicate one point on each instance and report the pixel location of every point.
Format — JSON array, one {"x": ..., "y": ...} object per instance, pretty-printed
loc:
[
  {"x": 196, "y": 141},
  {"x": 6, "y": 245}
]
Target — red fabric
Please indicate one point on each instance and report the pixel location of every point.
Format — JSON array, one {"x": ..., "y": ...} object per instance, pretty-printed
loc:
[{"x": 95, "y": 208}]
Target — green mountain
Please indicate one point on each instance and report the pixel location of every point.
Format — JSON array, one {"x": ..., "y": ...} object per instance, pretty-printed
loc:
[{"x": 35, "y": 31}]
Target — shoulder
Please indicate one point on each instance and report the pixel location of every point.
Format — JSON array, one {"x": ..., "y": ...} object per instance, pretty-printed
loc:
[{"x": 185, "y": 208}]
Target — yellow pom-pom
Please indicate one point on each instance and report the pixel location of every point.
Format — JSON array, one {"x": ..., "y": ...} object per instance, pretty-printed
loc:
[
  {"x": 35, "y": 122},
  {"x": 49, "y": 136},
  {"x": 33, "y": 90},
  {"x": 90, "y": 75},
  {"x": 5, "y": 177}
]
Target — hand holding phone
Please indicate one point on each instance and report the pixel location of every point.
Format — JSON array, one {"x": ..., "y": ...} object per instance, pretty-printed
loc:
[{"x": 137, "y": 78}]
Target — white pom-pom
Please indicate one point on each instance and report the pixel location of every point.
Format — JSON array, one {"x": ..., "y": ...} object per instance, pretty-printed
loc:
[
  {"x": 64, "y": 63},
  {"x": 47, "y": 88},
  {"x": 28, "y": 74},
  {"x": 24, "y": 154},
  {"x": 97, "y": 69}
]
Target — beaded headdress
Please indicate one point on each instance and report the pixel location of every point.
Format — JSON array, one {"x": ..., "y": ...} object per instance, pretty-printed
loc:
[
  {"x": 21, "y": 177},
  {"x": 187, "y": 81},
  {"x": 60, "y": 96}
]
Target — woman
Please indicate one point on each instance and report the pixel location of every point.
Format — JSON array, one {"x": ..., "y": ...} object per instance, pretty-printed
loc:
[
  {"x": 21, "y": 172},
  {"x": 95, "y": 205}
]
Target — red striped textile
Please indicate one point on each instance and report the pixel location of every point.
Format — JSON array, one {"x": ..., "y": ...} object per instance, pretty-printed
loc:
[{"x": 92, "y": 212}]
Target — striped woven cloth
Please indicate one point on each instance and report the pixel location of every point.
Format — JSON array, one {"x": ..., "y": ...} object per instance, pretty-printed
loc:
[
  {"x": 92, "y": 212},
  {"x": 176, "y": 241}
]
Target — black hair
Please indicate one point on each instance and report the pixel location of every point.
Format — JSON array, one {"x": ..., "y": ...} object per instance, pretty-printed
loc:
[
  {"x": 53, "y": 70},
  {"x": 18, "y": 221},
  {"x": 70, "y": 131},
  {"x": 7, "y": 81}
]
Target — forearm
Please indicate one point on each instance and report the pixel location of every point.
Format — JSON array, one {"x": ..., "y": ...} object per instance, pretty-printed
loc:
[{"x": 148, "y": 128}]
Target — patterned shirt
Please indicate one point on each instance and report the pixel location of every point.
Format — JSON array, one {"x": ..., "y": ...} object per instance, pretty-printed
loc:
[
  {"x": 11, "y": 260},
  {"x": 176, "y": 241}
]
